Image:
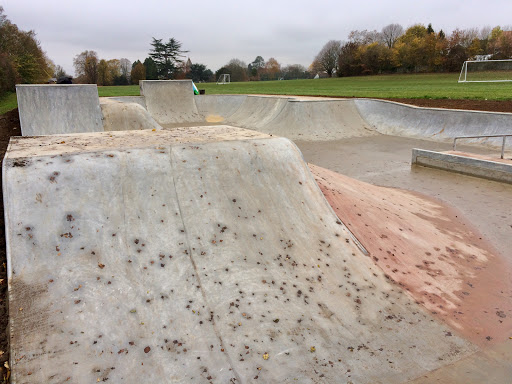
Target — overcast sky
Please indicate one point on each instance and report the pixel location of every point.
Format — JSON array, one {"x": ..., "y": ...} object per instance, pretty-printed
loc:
[{"x": 292, "y": 31}]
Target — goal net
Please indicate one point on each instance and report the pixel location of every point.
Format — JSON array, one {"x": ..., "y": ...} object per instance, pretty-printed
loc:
[
  {"x": 224, "y": 79},
  {"x": 485, "y": 71}
]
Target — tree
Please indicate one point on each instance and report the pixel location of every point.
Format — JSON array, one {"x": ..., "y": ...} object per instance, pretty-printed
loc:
[
  {"x": 199, "y": 73},
  {"x": 255, "y": 67},
  {"x": 349, "y": 63},
  {"x": 272, "y": 69},
  {"x": 21, "y": 58},
  {"x": 390, "y": 34},
  {"x": 104, "y": 77},
  {"x": 364, "y": 37},
  {"x": 167, "y": 57},
  {"x": 374, "y": 58},
  {"x": 126, "y": 68},
  {"x": 236, "y": 68},
  {"x": 295, "y": 71},
  {"x": 86, "y": 66},
  {"x": 151, "y": 70},
  {"x": 138, "y": 72},
  {"x": 59, "y": 72},
  {"x": 327, "y": 58}
]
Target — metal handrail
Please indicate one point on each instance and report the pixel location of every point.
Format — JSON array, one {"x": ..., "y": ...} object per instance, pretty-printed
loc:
[{"x": 480, "y": 137}]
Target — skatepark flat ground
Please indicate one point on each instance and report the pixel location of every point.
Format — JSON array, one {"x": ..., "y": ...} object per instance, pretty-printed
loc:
[{"x": 385, "y": 161}]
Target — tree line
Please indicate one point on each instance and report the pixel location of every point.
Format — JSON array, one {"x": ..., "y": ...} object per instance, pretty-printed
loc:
[
  {"x": 416, "y": 49},
  {"x": 261, "y": 70},
  {"x": 165, "y": 61}
]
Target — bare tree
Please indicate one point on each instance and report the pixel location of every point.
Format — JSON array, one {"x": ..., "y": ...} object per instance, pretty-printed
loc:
[
  {"x": 126, "y": 67},
  {"x": 364, "y": 37},
  {"x": 484, "y": 32},
  {"x": 86, "y": 66},
  {"x": 327, "y": 58},
  {"x": 390, "y": 34}
]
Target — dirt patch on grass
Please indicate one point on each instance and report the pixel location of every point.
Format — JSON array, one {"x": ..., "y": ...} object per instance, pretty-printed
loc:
[{"x": 476, "y": 105}]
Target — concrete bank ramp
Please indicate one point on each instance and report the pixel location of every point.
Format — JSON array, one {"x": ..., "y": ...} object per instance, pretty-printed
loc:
[
  {"x": 56, "y": 109},
  {"x": 198, "y": 254},
  {"x": 398, "y": 119},
  {"x": 256, "y": 112},
  {"x": 217, "y": 108},
  {"x": 319, "y": 120},
  {"x": 170, "y": 101},
  {"x": 315, "y": 120}
]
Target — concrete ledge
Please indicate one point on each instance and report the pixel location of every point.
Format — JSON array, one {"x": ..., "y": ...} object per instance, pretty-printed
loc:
[{"x": 486, "y": 169}]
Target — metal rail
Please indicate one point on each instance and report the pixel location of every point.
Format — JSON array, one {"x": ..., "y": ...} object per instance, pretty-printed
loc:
[{"x": 480, "y": 137}]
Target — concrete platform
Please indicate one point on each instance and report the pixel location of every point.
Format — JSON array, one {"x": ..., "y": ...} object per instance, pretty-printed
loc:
[
  {"x": 170, "y": 102},
  {"x": 465, "y": 163},
  {"x": 203, "y": 254},
  {"x": 56, "y": 109}
]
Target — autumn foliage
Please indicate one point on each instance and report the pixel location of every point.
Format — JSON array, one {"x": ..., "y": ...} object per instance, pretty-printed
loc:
[
  {"x": 417, "y": 49},
  {"x": 22, "y": 61}
]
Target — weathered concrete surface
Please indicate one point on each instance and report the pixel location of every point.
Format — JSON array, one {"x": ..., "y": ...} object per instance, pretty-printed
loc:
[
  {"x": 55, "y": 109},
  {"x": 431, "y": 252},
  {"x": 170, "y": 101},
  {"x": 217, "y": 108},
  {"x": 300, "y": 118},
  {"x": 256, "y": 112},
  {"x": 125, "y": 116},
  {"x": 319, "y": 121},
  {"x": 472, "y": 166},
  {"x": 200, "y": 258},
  {"x": 492, "y": 365},
  {"x": 397, "y": 119}
]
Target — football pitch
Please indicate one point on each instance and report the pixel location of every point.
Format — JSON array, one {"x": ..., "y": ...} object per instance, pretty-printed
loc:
[{"x": 415, "y": 86}]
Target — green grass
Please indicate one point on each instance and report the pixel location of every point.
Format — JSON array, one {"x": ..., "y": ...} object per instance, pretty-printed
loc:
[
  {"x": 8, "y": 102},
  {"x": 120, "y": 90},
  {"x": 414, "y": 86},
  {"x": 423, "y": 86}
]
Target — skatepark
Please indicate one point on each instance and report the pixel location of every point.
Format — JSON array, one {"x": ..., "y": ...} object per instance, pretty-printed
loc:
[{"x": 238, "y": 238}]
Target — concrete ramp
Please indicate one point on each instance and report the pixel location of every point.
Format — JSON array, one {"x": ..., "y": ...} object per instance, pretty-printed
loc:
[
  {"x": 397, "y": 119},
  {"x": 56, "y": 109},
  {"x": 319, "y": 120},
  {"x": 170, "y": 101},
  {"x": 201, "y": 254},
  {"x": 256, "y": 112},
  {"x": 218, "y": 108}
]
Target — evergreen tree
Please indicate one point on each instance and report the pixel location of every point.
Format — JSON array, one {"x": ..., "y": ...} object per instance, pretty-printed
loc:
[
  {"x": 151, "y": 71},
  {"x": 167, "y": 57}
]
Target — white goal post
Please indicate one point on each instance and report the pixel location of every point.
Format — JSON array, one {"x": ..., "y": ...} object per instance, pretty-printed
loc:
[
  {"x": 225, "y": 78},
  {"x": 486, "y": 71}
]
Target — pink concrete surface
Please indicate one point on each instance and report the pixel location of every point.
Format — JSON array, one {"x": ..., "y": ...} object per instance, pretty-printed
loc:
[{"x": 430, "y": 251}]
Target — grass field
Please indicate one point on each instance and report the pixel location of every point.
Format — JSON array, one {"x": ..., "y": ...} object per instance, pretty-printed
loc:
[
  {"x": 413, "y": 86},
  {"x": 423, "y": 86},
  {"x": 8, "y": 102}
]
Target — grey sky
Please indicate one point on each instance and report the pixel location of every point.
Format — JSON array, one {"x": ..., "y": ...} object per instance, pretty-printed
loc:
[{"x": 216, "y": 31}]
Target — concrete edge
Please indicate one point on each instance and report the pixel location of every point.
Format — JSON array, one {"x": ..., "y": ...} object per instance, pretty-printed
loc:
[
  {"x": 428, "y": 108},
  {"x": 485, "y": 169}
]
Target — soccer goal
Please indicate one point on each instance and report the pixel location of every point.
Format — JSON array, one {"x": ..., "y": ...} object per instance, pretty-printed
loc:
[
  {"x": 224, "y": 79},
  {"x": 486, "y": 71}
]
